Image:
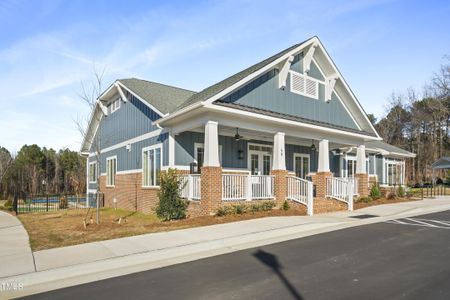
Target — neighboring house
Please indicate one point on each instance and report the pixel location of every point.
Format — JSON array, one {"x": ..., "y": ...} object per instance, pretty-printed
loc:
[{"x": 270, "y": 131}]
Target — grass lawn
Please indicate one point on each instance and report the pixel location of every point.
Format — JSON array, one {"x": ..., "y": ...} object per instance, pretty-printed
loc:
[{"x": 65, "y": 228}]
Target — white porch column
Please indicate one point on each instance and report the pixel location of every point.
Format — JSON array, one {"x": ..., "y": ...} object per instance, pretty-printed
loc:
[
  {"x": 211, "y": 158},
  {"x": 361, "y": 160},
  {"x": 279, "y": 156},
  {"x": 171, "y": 150},
  {"x": 324, "y": 157}
]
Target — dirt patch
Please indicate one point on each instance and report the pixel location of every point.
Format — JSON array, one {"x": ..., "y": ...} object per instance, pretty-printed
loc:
[{"x": 65, "y": 228}]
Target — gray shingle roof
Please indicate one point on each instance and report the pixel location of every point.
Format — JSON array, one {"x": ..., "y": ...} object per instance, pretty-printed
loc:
[
  {"x": 387, "y": 147},
  {"x": 163, "y": 97},
  {"x": 220, "y": 86}
]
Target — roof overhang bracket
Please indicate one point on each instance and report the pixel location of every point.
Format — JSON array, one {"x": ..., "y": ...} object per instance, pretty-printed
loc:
[
  {"x": 102, "y": 108},
  {"x": 308, "y": 57},
  {"x": 282, "y": 77},
  {"x": 119, "y": 89},
  {"x": 330, "y": 82}
]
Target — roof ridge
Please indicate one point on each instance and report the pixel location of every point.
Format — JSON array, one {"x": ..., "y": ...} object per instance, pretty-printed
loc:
[{"x": 159, "y": 83}]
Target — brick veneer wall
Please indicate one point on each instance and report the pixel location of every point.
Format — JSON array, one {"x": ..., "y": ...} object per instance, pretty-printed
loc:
[
  {"x": 129, "y": 193},
  {"x": 363, "y": 184},
  {"x": 324, "y": 205},
  {"x": 320, "y": 181},
  {"x": 211, "y": 189},
  {"x": 280, "y": 182}
]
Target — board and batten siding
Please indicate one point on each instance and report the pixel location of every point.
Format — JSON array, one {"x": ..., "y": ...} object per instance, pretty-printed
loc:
[
  {"x": 132, "y": 119},
  {"x": 263, "y": 93}
]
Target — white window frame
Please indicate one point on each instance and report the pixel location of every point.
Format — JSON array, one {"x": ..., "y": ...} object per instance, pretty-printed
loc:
[
  {"x": 115, "y": 105},
  {"x": 305, "y": 77},
  {"x": 112, "y": 182},
  {"x": 147, "y": 149},
  {"x": 303, "y": 155},
  {"x": 250, "y": 152},
  {"x": 345, "y": 160},
  {"x": 386, "y": 163},
  {"x": 202, "y": 145},
  {"x": 93, "y": 163}
]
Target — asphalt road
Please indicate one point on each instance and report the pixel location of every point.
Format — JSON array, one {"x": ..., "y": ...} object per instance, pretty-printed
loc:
[{"x": 401, "y": 259}]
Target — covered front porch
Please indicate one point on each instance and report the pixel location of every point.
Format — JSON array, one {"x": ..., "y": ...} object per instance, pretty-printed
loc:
[
  {"x": 232, "y": 164},
  {"x": 244, "y": 154}
]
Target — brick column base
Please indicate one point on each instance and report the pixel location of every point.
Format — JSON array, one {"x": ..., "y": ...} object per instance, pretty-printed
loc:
[
  {"x": 211, "y": 190},
  {"x": 280, "y": 186},
  {"x": 363, "y": 184},
  {"x": 320, "y": 182}
]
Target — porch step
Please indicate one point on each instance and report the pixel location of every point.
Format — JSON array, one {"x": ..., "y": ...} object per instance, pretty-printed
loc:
[{"x": 328, "y": 205}]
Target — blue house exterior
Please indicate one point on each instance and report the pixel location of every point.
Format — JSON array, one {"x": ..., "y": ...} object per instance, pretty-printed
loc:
[{"x": 291, "y": 114}]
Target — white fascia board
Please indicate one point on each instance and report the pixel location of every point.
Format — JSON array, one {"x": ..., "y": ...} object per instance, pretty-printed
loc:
[
  {"x": 119, "y": 89},
  {"x": 289, "y": 122},
  {"x": 142, "y": 100},
  {"x": 89, "y": 132}
]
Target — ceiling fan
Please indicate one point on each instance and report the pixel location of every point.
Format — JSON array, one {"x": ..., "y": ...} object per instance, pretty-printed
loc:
[{"x": 237, "y": 137}]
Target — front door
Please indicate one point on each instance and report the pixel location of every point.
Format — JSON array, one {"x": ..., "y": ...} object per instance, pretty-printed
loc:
[
  {"x": 301, "y": 165},
  {"x": 260, "y": 160}
]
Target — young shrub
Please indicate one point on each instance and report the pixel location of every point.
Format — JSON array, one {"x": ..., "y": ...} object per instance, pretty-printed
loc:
[
  {"x": 221, "y": 212},
  {"x": 239, "y": 209},
  {"x": 255, "y": 208},
  {"x": 285, "y": 205},
  {"x": 401, "y": 191},
  {"x": 375, "y": 192},
  {"x": 170, "y": 206},
  {"x": 365, "y": 199},
  {"x": 268, "y": 205}
]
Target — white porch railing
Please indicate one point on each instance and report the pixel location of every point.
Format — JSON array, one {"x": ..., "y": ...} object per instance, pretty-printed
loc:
[
  {"x": 354, "y": 181},
  {"x": 240, "y": 187},
  {"x": 301, "y": 190},
  {"x": 341, "y": 189},
  {"x": 190, "y": 187}
]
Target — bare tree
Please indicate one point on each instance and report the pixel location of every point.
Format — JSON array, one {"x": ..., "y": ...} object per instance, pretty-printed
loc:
[{"x": 89, "y": 94}]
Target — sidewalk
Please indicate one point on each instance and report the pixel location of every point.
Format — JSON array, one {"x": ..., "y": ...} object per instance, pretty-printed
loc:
[
  {"x": 62, "y": 267},
  {"x": 15, "y": 253}
]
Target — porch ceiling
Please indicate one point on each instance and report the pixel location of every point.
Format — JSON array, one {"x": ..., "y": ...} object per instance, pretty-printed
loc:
[{"x": 255, "y": 135}]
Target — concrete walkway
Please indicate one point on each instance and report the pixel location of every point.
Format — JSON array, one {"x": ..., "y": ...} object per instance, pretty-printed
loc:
[
  {"x": 15, "y": 252},
  {"x": 62, "y": 267}
]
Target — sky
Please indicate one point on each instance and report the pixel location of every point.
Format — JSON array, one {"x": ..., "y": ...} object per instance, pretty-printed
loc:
[{"x": 48, "y": 48}]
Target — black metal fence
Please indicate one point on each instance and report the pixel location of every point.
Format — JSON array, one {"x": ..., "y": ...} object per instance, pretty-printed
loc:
[{"x": 45, "y": 203}]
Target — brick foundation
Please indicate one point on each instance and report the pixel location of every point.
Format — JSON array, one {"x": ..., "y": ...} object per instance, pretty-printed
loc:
[
  {"x": 280, "y": 188},
  {"x": 211, "y": 189},
  {"x": 320, "y": 181},
  {"x": 363, "y": 184},
  {"x": 325, "y": 205},
  {"x": 130, "y": 194}
]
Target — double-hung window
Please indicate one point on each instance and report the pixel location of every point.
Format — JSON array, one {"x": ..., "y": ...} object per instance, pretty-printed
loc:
[
  {"x": 93, "y": 172},
  {"x": 151, "y": 165},
  {"x": 111, "y": 170}
]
